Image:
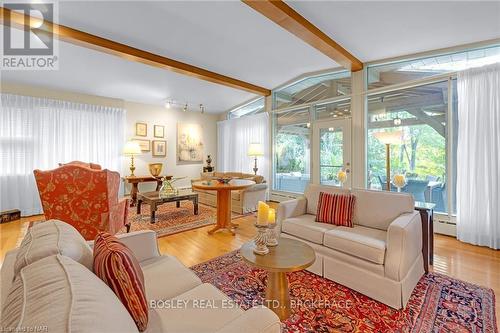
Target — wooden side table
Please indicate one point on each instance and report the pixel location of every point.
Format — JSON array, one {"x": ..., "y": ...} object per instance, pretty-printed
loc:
[
  {"x": 223, "y": 200},
  {"x": 289, "y": 256},
  {"x": 136, "y": 180},
  {"x": 426, "y": 211}
]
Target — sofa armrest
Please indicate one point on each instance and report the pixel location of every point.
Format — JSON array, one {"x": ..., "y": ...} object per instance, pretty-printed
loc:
[
  {"x": 255, "y": 320},
  {"x": 142, "y": 243},
  {"x": 290, "y": 208},
  {"x": 404, "y": 245}
]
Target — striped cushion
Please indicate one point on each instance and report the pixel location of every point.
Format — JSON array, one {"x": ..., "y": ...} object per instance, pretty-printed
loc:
[
  {"x": 335, "y": 209},
  {"x": 115, "y": 264}
]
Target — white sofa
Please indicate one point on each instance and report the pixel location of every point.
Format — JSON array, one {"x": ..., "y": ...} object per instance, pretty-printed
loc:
[
  {"x": 381, "y": 256},
  {"x": 63, "y": 295}
]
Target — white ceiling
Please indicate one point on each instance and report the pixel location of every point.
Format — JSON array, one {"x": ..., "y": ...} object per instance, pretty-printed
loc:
[
  {"x": 232, "y": 39},
  {"x": 374, "y": 30}
]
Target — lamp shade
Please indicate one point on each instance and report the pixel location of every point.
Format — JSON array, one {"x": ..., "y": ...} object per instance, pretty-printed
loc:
[
  {"x": 389, "y": 138},
  {"x": 132, "y": 148},
  {"x": 255, "y": 149}
]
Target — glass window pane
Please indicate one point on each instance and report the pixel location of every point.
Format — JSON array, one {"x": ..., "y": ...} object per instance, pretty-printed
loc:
[
  {"x": 420, "y": 113},
  {"x": 404, "y": 71},
  {"x": 292, "y": 138},
  {"x": 313, "y": 89},
  {"x": 454, "y": 144},
  {"x": 254, "y": 107},
  {"x": 331, "y": 155},
  {"x": 334, "y": 110}
]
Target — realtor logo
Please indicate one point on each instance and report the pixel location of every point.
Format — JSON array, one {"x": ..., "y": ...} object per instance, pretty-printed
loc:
[{"x": 28, "y": 39}]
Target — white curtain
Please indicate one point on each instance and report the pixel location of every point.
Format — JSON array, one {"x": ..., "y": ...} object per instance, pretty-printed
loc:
[
  {"x": 234, "y": 137},
  {"x": 478, "y": 156},
  {"x": 39, "y": 133}
]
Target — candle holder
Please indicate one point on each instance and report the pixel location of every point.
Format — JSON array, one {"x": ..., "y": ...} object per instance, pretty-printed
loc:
[
  {"x": 260, "y": 240},
  {"x": 272, "y": 237}
]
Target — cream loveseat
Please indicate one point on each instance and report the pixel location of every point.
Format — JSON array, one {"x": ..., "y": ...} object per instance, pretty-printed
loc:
[
  {"x": 381, "y": 256},
  {"x": 50, "y": 287},
  {"x": 242, "y": 201}
]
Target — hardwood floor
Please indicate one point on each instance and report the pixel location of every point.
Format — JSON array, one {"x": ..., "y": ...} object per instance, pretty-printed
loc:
[{"x": 470, "y": 263}]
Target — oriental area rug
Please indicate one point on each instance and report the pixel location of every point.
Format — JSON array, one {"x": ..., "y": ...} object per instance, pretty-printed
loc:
[
  {"x": 171, "y": 220},
  {"x": 438, "y": 303}
]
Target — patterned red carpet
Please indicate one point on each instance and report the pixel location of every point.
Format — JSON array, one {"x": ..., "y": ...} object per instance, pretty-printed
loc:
[
  {"x": 171, "y": 220},
  {"x": 438, "y": 304}
]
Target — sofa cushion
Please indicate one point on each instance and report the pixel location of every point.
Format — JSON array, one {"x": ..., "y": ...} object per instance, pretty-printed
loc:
[
  {"x": 312, "y": 195},
  {"x": 362, "y": 242},
  {"x": 117, "y": 266},
  {"x": 306, "y": 227},
  {"x": 377, "y": 209},
  {"x": 58, "y": 293},
  {"x": 52, "y": 237},
  {"x": 335, "y": 209},
  {"x": 165, "y": 277},
  {"x": 203, "y": 309}
]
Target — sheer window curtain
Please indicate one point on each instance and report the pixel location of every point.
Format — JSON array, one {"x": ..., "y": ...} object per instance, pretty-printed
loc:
[
  {"x": 39, "y": 133},
  {"x": 235, "y": 135},
  {"x": 478, "y": 156}
]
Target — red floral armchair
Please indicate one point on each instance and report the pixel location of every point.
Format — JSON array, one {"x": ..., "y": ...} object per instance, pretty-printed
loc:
[{"x": 83, "y": 197}]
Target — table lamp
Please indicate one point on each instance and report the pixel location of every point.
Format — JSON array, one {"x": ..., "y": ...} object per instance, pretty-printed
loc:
[
  {"x": 388, "y": 139},
  {"x": 131, "y": 149},
  {"x": 255, "y": 149}
]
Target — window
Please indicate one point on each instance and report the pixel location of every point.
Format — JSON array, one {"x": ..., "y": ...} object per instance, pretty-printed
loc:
[
  {"x": 420, "y": 113},
  {"x": 253, "y": 107},
  {"x": 403, "y": 71},
  {"x": 312, "y": 89},
  {"x": 292, "y": 151}
]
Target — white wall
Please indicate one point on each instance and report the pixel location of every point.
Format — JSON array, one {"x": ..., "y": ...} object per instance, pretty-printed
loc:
[
  {"x": 157, "y": 115},
  {"x": 150, "y": 114}
]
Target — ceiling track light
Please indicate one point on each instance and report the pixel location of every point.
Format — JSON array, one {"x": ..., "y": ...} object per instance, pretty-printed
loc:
[{"x": 170, "y": 102}]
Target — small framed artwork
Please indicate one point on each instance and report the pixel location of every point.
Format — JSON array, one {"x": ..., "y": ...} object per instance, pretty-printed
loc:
[
  {"x": 141, "y": 129},
  {"x": 159, "y": 148},
  {"x": 159, "y": 131},
  {"x": 144, "y": 144}
]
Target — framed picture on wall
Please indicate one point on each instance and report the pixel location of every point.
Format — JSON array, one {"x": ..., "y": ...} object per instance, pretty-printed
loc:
[
  {"x": 144, "y": 144},
  {"x": 159, "y": 131},
  {"x": 159, "y": 148},
  {"x": 141, "y": 129}
]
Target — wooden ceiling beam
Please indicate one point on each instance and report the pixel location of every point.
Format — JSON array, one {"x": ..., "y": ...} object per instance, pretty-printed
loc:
[
  {"x": 286, "y": 17},
  {"x": 123, "y": 51}
]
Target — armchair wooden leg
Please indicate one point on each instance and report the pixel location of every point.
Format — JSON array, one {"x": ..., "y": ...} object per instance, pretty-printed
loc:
[{"x": 128, "y": 228}]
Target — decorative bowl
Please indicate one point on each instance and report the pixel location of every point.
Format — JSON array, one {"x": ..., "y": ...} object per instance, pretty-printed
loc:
[
  {"x": 224, "y": 180},
  {"x": 155, "y": 169}
]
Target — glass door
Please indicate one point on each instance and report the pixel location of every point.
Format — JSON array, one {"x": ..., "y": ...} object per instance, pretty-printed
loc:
[{"x": 332, "y": 153}]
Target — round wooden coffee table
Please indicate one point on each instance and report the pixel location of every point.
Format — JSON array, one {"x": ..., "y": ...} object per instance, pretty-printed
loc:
[
  {"x": 289, "y": 256},
  {"x": 223, "y": 200}
]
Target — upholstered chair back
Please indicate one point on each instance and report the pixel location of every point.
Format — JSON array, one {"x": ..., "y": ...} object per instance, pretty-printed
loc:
[
  {"x": 93, "y": 166},
  {"x": 83, "y": 197}
]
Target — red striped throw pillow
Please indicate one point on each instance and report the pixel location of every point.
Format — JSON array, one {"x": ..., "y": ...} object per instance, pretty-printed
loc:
[
  {"x": 115, "y": 264},
  {"x": 335, "y": 209}
]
